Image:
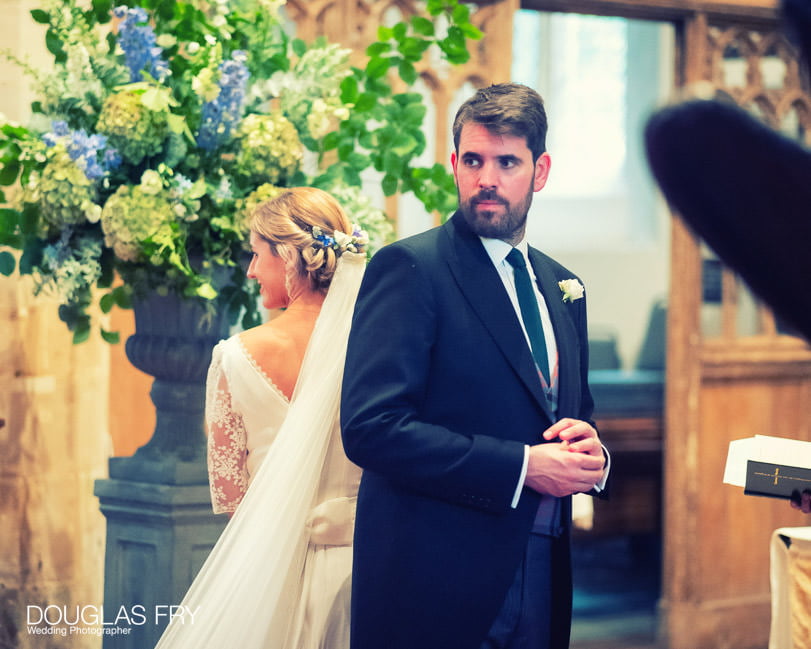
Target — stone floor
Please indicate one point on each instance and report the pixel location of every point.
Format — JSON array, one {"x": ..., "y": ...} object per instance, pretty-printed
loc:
[{"x": 616, "y": 589}]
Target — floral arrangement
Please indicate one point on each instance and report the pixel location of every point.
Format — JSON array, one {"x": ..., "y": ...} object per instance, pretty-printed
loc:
[
  {"x": 572, "y": 289},
  {"x": 341, "y": 242},
  {"x": 163, "y": 123}
]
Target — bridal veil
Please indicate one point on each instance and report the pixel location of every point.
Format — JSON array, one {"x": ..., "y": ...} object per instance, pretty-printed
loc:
[{"x": 247, "y": 593}]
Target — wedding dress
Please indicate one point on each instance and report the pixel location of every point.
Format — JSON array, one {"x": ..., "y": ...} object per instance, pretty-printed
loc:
[{"x": 278, "y": 577}]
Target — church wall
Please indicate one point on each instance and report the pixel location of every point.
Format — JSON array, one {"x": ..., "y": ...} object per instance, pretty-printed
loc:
[{"x": 54, "y": 441}]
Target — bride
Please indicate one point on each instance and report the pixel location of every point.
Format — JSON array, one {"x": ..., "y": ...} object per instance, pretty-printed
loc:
[{"x": 278, "y": 577}]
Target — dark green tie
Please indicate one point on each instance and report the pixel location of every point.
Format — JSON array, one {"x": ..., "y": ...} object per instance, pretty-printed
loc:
[{"x": 529, "y": 311}]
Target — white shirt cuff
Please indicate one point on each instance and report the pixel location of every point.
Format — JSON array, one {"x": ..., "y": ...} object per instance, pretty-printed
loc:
[
  {"x": 521, "y": 478},
  {"x": 601, "y": 485}
]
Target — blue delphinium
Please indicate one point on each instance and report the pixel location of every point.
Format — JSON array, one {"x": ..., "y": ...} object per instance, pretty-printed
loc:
[
  {"x": 221, "y": 114},
  {"x": 139, "y": 44},
  {"x": 84, "y": 149}
]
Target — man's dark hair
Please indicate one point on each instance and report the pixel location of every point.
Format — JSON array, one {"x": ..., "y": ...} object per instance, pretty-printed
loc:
[{"x": 506, "y": 109}]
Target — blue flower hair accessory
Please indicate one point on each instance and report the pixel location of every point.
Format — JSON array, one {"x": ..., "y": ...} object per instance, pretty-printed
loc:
[{"x": 341, "y": 242}]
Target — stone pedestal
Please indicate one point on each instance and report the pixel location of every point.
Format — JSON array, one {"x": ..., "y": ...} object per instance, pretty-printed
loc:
[
  {"x": 158, "y": 537},
  {"x": 160, "y": 527}
]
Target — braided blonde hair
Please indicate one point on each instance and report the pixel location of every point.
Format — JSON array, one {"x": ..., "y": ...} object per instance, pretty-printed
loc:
[{"x": 286, "y": 222}]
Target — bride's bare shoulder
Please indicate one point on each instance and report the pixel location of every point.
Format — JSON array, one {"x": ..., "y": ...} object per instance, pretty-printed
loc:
[
  {"x": 276, "y": 351},
  {"x": 267, "y": 342}
]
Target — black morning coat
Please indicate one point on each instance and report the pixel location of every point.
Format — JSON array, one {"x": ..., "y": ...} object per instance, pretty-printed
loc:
[{"x": 440, "y": 395}]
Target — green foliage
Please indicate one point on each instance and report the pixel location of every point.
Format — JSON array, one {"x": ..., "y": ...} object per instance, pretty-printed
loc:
[{"x": 151, "y": 165}]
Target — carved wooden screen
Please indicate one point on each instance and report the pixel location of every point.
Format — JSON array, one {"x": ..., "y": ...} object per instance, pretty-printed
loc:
[
  {"x": 731, "y": 374},
  {"x": 759, "y": 69}
]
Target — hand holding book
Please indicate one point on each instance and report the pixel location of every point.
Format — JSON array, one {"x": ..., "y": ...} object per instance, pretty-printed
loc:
[
  {"x": 776, "y": 467},
  {"x": 802, "y": 501}
]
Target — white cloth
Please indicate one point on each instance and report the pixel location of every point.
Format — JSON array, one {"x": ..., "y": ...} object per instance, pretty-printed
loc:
[
  {"x": 791, "y": 588},
  {"x": 272, "y": 578}
]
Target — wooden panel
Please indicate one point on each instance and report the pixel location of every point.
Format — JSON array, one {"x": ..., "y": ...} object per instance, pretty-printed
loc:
[
  {"x": 634, "y": 505},
  {"x": 758, "y": 10}
]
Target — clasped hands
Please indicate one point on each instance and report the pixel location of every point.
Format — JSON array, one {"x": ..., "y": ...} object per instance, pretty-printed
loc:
[{"x": 573, "y": 464}]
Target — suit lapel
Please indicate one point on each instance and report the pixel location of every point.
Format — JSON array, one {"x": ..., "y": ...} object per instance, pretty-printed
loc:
[
  {"x": 565, "y": 332},
  {"x": 481, "y": 285}
]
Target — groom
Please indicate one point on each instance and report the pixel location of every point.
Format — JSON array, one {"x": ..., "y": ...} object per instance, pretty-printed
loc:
[{"x": 465, "y": 401}]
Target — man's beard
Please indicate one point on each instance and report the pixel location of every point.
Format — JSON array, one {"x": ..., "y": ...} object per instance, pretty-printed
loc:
[{"x": 508, "y": 225}]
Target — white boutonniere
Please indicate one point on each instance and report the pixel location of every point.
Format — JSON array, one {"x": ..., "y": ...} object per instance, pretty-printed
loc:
[{"x": 572, "y": 289}]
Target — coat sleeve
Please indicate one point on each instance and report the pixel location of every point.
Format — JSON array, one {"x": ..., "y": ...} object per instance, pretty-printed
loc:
[{"x": 384, "y": 425}]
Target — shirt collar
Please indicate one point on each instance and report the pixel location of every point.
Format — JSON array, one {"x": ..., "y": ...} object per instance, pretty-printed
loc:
[{"x": 498, "y": 249}]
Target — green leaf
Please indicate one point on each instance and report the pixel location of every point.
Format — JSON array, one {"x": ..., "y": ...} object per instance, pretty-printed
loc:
[
  {"x": 378, "y": 48},
  {"x": 198, "y": 189},
  {"x": 413, "y": 114},
  {"x": 156, "y": 99},
  {"x": 440, "y": 174},
  {"x": 435, "y": 7},
  {"x": 392, "y": 164},
  {"x": 413, "y": 48},
  {"x": 54, "y": 45},
  {"x": 103, "y": 10},
  {"x": 368, "y": 140},
  {"x": 107, "y": 302},
  {"x": 177, "y": 123},
  {"x": 351, "y": 177},
  {"x": 29, "y": 219},
  {"x": 358, "y": 160},
  {"x": 406, "y": 99},
  {"x": 330, "y": 141},
  {"x": 403, "y": 144},
  {"x": 407, "y": 72},
  {"x": 206, "y": 291},
  {"x": 111, "y": 337},
  {"x": 366, "y": 102},
  {"x": 377, "y": 67},
  {"x": 81, "y": 333},
  {"x": 122, "y": 296},
  {"x": 471, "y": 31},
  {"x": 299, "y": 47},
  {"x": 345, "y": 149},
  {"x": 31, "y": 257},
  {"x": 461, "y": 14},
  {"x": 422, "y": 25},
  {"x": 40, "y": 16},
  {"x": 399, "y": 31},
  {"x": 349, "y": 90},
  {"x": 7, "y": 263},
  {"x": 385, "y": 33},
  {"x": 389, "y": 185},
  {"x": 8, "y": 220}
]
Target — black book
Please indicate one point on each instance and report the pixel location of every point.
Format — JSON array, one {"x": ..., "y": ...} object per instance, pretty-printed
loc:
[{"x": 775, "y": 480}]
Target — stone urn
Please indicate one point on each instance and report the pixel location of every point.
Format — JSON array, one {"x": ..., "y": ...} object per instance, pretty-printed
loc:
[{"x": 173, "y": 340}]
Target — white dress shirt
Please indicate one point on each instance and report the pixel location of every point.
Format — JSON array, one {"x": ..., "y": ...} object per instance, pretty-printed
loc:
[{"x": 498, "y": 251}]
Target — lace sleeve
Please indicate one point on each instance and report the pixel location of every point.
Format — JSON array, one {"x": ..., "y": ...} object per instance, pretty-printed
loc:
[{"x": 227, "y": 443}]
